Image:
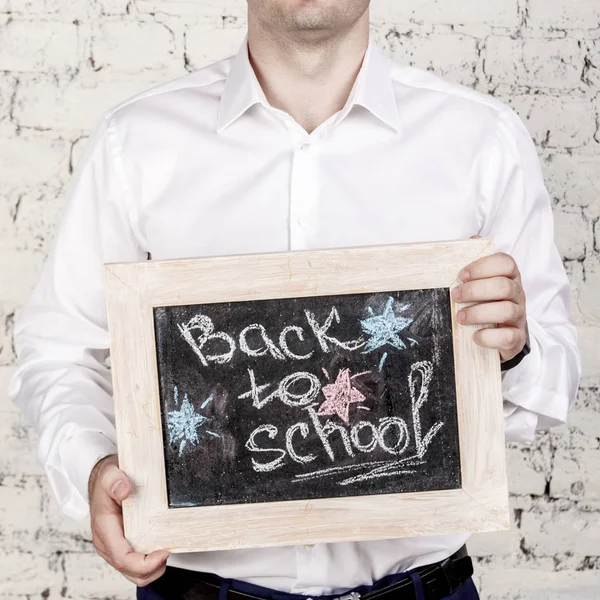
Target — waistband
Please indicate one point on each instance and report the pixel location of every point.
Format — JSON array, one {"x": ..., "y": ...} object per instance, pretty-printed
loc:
[{"x": 439, "y": 579}]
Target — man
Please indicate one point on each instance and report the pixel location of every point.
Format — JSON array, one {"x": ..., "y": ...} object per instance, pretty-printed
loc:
[{"x": 307, "y": 138}]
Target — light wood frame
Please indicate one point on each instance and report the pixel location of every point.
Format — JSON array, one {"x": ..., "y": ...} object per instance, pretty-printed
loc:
[{"x": 134, "y": 289}]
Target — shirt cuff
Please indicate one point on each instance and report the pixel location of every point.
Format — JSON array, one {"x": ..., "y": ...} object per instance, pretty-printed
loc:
[
  {"x": 522, "y": 385},
  {"x": 520, "y": 424},
  {"x": 78, "y": 454}
]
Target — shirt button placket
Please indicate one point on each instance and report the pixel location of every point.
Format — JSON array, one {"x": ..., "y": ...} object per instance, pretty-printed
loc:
[{"x": 303, "y": 195}]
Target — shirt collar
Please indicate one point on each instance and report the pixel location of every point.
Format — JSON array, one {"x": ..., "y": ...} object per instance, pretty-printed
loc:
[{"x": 372, "y": 89}]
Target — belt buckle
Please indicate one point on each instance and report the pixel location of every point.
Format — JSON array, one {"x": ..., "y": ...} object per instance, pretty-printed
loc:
[{"x": 350, "y": 596}]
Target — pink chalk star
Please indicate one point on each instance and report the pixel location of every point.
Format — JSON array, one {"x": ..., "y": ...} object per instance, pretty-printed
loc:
[{"x": 339, "y": 396}]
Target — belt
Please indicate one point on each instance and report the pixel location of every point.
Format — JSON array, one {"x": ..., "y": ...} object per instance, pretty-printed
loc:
[{"x": 439, "y": 580}]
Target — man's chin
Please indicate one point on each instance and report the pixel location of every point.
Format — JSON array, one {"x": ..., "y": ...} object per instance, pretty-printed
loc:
[{"x": 311, "y": 20}]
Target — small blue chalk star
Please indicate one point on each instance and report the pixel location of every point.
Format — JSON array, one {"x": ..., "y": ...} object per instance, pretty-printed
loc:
[
  {"x": 183, "y": 424},
  {"x": 384, "y": 328}
]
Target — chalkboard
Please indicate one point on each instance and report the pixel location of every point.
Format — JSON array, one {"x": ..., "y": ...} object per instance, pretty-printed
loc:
[
  {"x": 312, "y": 397},
  {"x": 305, "y": 397}
]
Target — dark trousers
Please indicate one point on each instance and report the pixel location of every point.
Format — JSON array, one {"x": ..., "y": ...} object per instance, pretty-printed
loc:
[{"x": 159, "y": 591}]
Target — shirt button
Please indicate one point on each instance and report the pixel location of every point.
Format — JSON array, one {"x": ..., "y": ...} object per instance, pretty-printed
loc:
[
  {"x": 305, "y": 147},
  {"x": 303, "y": 222}
]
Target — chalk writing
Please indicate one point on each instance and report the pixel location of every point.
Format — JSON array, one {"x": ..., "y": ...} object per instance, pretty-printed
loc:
[
  {"x": 425, "y": 369},
  {"x": 283, "y": 391},
  {"x": 284, "y": 343},
  {"x": 362, "y": 445},
  {"x": 320, "y": 332},
  {"x": 304, "y": 430},
  {"x": 205, "y": 326},
  {"x": 391, "y": 433},
  {"x": 271, "y": 431},
  {"x": 269, "y": 346},
  {"x": 308, "y": 397}
]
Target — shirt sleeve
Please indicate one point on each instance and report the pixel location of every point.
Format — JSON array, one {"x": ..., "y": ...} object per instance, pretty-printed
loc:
[
  {"x": 63, "y": 383},
  {"x": 517, "y": 216}
]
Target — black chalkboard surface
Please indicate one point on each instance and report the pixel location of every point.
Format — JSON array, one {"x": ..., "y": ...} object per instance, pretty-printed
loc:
[{"x": 302, "y": 398}]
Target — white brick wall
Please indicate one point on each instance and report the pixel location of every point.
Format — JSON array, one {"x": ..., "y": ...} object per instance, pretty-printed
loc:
[{"x": 62, "y": 63}]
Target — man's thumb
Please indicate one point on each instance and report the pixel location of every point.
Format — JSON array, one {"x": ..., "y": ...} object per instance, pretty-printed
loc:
[{"x": 115, "y": 483}]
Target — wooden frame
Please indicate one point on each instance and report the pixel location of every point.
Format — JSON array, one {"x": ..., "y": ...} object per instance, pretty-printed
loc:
[{"x": 134, "y": 289}]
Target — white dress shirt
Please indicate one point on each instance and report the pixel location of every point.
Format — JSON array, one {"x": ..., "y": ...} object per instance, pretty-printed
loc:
[{"x": 203, "y": 165}]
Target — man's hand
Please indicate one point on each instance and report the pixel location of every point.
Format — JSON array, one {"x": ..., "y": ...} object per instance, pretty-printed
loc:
[
  {"x": 495, "y": 282},
  {"x": 108, "y": 487}
]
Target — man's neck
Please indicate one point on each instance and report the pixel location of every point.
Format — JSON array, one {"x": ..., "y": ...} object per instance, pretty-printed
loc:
[{"x": 308, "y": 78}]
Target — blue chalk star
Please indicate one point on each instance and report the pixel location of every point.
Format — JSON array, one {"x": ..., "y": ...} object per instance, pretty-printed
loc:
[
  {"x": 384, "y": 329},
  {"x": 183, "y": 424}
]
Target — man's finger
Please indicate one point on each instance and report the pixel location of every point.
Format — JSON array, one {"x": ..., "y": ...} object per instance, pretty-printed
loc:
[
  {"x": 487, "y": 290},
  {"x": 120, "y": 553},
  {"x": 145, "y": 564},
  {"x": 492, "y": 313},
  {"x": 109, "y": 529},
  {"x": 151, "y": 571},
  {"x": 144, "y": 581},
  {"x": 115, "y": 483},
  {"x": 496, "y": 265},
  {"x": 509, "y": 340}
]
